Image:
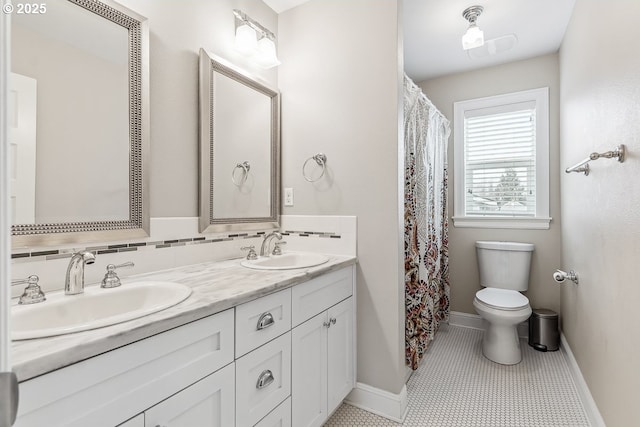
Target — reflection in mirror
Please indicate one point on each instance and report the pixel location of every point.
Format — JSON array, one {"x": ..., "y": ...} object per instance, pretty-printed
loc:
[
  {"x": 239, "y": 149},
  {"x": 78, "y": 123}
]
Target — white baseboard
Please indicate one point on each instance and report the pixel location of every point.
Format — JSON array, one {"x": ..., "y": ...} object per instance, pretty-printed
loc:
[
  {"x": 380, "y": 402},
  {"x": 588, "y": 403},
  {"x": 466, "y": 320},
  {"x": 473, "y": 321}
]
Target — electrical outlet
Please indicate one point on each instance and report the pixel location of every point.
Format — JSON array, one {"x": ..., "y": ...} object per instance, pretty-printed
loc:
[{"x": 288, "y": 196}]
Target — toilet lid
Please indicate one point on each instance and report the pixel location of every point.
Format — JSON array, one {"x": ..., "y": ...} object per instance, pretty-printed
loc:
[{"x": 504, "y": 299}]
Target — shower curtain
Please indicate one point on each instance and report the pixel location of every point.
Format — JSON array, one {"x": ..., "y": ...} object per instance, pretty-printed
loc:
[{"x": 425, "y": 221}]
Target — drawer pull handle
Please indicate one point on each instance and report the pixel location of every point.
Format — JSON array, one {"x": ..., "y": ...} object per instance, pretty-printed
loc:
[
  {"x": 265, "y": 378},
  {"x": 265, "y": 321}
]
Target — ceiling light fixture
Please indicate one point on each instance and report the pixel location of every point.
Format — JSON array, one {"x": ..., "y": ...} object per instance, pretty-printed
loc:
[
  {"x": 474, "y": 37},
  {"x": 255, "y": 41}
]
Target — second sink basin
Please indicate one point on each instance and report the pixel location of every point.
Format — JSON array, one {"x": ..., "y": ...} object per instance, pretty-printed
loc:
[
  {"x": 286, "y": 261},
  {"x": 95, "y": 308}
]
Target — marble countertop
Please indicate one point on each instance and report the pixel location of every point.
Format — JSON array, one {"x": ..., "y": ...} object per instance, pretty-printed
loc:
[{"x": 216, "y": 286}]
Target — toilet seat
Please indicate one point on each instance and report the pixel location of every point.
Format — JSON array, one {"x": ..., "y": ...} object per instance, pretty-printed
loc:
[{"x": 502, "y": 299}]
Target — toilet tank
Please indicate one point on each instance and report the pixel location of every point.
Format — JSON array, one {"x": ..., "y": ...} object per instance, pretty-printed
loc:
[{"x": 504, "y": 265}]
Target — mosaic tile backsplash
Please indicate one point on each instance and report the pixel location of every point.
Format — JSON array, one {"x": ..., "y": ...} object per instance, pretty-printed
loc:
[{"x": 52, "y": 254}]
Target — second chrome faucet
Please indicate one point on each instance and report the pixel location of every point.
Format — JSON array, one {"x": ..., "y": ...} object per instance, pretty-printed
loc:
[{"x": 264, "y": 249}]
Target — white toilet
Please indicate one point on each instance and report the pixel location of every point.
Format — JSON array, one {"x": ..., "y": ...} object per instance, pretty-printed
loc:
[{"x": 504, "y": 273}]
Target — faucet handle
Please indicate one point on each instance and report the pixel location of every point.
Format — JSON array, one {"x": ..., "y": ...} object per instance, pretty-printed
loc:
[
  {"x": 111, "y": 279},
  {"x": 252, "y": 252},
  {"x": 32, "y": 293},
  {"x": 277, "y": 250}
]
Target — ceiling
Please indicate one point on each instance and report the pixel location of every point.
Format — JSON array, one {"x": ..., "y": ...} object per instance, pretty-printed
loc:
[
  {"x": 433, "y": 28},
  {"x": 280, "y": 6}
]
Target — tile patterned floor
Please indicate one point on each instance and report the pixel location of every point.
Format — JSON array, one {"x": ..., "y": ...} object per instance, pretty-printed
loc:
[{"x": 458, "y": 387}]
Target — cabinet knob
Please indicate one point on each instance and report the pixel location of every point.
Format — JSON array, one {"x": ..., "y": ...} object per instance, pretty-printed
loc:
[
  {"x": 333, "y": 320},
  {"x": 265, "y": 378},
  {"x": 265, "y": 321}
]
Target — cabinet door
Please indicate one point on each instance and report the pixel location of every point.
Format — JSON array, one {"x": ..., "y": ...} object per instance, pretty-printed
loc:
[
  {"x": 209, "y": 402},
  {"x": 309, "y": 372},
  {"x": 341, "y": 375}
]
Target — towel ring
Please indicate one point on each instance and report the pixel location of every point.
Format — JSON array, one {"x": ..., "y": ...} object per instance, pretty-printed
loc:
[
  {"x": 246, "y": 167},
  {"x": 321, "y": 160}
]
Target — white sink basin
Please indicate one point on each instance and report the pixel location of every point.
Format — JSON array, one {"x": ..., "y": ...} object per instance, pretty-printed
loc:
[
  {"x": 95, "y": 308},
  {"x": 286, "y": 261}
]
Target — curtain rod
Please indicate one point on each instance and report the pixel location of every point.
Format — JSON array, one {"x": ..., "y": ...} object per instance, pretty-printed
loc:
[{"x": 425, "y": 97}]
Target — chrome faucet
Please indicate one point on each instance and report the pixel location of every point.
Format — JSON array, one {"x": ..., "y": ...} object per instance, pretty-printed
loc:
[
  {"x": 74, "y": 282},
  {"x": 267, "y": 241}
]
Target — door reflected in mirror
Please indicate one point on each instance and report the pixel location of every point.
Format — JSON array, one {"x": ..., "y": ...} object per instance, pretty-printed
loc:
[
  {"x": 70, "y": 135},
  {"x": 78, "y": 123}
]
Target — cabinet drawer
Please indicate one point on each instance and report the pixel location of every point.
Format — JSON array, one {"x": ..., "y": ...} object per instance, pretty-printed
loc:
[
  {"x": 279, "y": 417},
  {"x": 263, "y": 380},
  {"x": 317, "y": 295},
  {"x": 112, "y": 387},
  {"x": 209, "y": 402},
  {"x": 262, "y": 320}
]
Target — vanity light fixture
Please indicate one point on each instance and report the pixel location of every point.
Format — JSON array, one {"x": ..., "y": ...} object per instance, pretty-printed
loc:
[
  {"x": 255, "y": 41},
  {"x": 246, "y": 39},
  {"x": 474, "y": 37}
]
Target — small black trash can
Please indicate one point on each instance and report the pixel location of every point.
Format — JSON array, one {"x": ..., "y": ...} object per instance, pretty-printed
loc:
[{"x": 543, "y": 330}]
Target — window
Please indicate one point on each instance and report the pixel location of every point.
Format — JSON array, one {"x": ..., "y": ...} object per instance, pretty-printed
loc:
[{"x": 502, "y": 161}]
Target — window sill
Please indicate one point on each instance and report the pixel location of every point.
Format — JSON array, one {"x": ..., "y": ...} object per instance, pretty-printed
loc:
[{"x": 492, "y": 222}]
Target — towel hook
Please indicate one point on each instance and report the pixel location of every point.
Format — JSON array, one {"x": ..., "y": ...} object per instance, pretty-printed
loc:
[
  {"x": 321, "y": 160},
  {"x": 246, "y": 167}
]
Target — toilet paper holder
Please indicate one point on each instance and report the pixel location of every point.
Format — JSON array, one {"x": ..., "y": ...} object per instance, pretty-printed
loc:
[{"x": 560, "y": 276}]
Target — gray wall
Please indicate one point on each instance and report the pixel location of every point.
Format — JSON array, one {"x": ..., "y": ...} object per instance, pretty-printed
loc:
[
  {"x": 178, "y": 29},
  {"x": 600, "y": 78},
  {"x": 340, "y": 80},
  {"x": 516, "y": 76}
]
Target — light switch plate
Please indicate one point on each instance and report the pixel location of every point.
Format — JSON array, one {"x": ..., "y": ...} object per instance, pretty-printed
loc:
[{"x": 288, "y": 196}]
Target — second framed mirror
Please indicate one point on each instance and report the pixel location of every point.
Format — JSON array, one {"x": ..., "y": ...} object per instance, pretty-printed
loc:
[{"x": 239, "y": 149}]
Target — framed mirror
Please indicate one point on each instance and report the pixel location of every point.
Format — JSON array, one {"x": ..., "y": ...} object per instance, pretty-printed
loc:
[
  {"x": 239, "y": 149},
  {"x": 79, "y": 124}
]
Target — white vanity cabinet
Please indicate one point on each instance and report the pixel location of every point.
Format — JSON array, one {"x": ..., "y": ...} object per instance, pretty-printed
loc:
[
  {"x": 284, "y": 359},
  {"x": 323, "y": 347}
]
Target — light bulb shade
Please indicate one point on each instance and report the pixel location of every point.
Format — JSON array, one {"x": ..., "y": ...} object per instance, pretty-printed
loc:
[
  {"x": 266, "y": 53},
  {"x": 246, "y": 39},
  {"x": 474, "y": 37}
]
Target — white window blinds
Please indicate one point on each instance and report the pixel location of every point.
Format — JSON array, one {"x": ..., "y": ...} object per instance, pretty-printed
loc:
[{"x": 500, "y": 162}]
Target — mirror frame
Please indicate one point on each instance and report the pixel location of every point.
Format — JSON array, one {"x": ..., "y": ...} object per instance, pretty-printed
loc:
[
  {"x": 210, "y": 64},
  {"x": 138, "y": 223}
]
